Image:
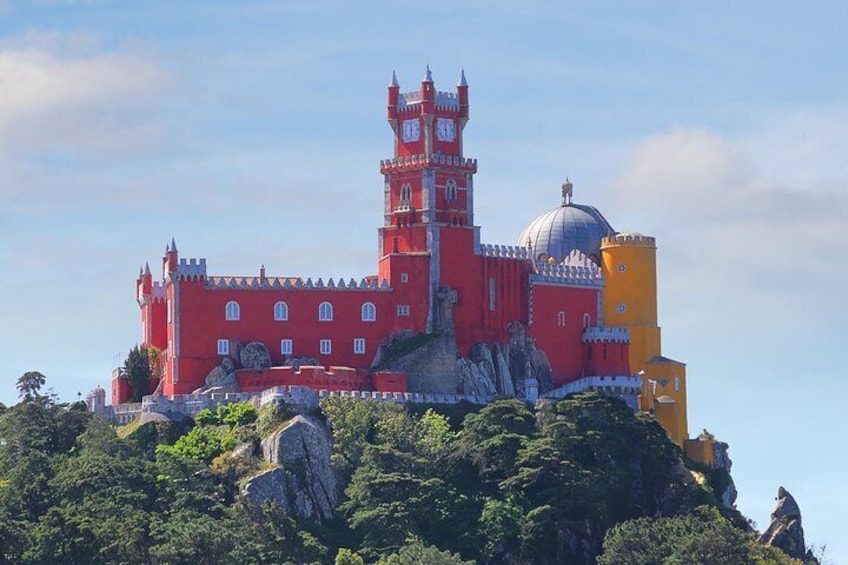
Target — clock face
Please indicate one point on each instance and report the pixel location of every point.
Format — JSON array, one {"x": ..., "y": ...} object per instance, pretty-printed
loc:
[
  {"x": 411, "y": 130},
  {"x": 445, "y": 129}
]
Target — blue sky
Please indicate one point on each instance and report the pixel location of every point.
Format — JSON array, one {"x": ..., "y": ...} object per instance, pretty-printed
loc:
[{"x": 252, "y": 133}]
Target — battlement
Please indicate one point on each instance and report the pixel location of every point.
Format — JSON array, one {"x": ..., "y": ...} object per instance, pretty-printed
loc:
[
  {"x": 629, "y": 239},
  {"x": 425, "y": 160},
  {"x": 504, "y": 251},
  {"x": 560, "y": 273},
  {"x": 598, "y": 334},
  {"x": 409, "y": 101},
  {"x": 278, "y": 283},
  {"x": 579, "y": 259},
  {"x": 159, "y": 291},
  {"x": 627, "y": 388},
  {"x": 191, "y": 268}
]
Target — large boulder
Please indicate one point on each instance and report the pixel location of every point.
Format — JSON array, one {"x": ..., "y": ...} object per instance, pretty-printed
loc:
[
  {"x": 302, "y": 481},
  {"x": 472, "y": 380},
  {"x": 255, "y": 355},
  {"x": 785, "y": 531}
]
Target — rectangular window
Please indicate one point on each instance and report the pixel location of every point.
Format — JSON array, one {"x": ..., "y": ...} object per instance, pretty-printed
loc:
[
  {"x": 286, "y": 346},
  {"x": 561, "y": 319},
  {"x": 404, "y": 277},
  {"x": 326, "y": 346},
  {"x": 492, "y": 290},
  {"x": 223, "y": 347},
  {"x": 359, "y": 345},
  {"x": 403, "y": 310}
]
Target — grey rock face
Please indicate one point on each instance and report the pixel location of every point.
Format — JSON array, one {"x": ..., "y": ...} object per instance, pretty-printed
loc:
[
  {"x": 216, "y": 376},
  {"x": 785, "y": 531},
  {"x": 472, "y": 380},
  {"x": 255, "y": 355},
  {"x": 297, "y": 362},
  {"x": 228, "y": 365},
  {"x": 303, "y": 483},
  {"x": 721, "y": 460},
  {"x": 430, "y": 365}
]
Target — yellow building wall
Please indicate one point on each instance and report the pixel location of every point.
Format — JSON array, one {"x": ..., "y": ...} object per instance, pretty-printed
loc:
[
  {"x": 700, "y": 450},
  {"x": 667, "y": 378},
  {"x": 629, "y": 265}
]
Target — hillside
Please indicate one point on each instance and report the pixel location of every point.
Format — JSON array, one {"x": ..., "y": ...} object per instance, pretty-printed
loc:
[{"x": 583, "y": 480}]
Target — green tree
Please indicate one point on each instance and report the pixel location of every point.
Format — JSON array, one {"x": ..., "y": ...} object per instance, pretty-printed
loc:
[
  {"x": 237, "y": 414},
  {"x": 347, "y": 557},
  {"x": 137, "y": 370},
  {"x": 200, "y": 444},
  {"x": 416, "y": 553},
  {"x": 29, "y": 384}
]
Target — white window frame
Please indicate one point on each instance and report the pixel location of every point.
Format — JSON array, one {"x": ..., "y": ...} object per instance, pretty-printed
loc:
[
  {"x": 403, "y": 310},
  {"x": 325, "y": 312},
  {"x": 587, "y": 320},
  {"x": 223, "y": 347},
  {"x": 286, "y": 346},
  {"x": 281, "y": 312},
  {"x": 561, "y": 318},
  {"x": 369, "y": 312},
  {"x": 359, "y": 345},
  {"x": 450, "y": 190},
  {"x": 232, "y": 311},
  {"x": 404, "y": 277},
  {"x": 325, "y": 346}
]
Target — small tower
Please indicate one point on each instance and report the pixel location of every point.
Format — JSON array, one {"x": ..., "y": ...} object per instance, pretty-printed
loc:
[{"x": 96, "y": 400}]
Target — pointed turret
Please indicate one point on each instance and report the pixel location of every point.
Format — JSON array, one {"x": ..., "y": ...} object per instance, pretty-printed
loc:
[
  {"x": 394, "y": 95},
  {"x": 462, "y": 94},
  {"x": 428, "y": 76},
  {"x": 173, "y": 245},
  {"x": 146, "y": 268}
]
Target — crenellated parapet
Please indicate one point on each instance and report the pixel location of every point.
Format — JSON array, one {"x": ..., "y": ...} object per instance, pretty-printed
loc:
[
  {"x": 609, "y": 335},
  {"x": 426, "y": 160},
  {"x": 504, "y": 251},
  {"x": 625, "y": 387},
  {"x": 191, "y": 269},
  {"x": 560, "y": 273},
  {"x": 410, "y": 102},
  {"x": 292, "y": 283},
  {"x": 629, "y": 239}
]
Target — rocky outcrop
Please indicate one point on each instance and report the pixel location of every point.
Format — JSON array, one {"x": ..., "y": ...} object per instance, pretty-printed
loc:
[
  {"x": 526, "y": 363},
  {"x": 429, "y": 361},
  {"x": 302, "y": 481},
  {"x": 255, "y": 355},
  {"x": 722, "y": 465},
  {"x": 485, "y": 373},
  {"x": 220, "y": 379},
  {"x": 297, "y": 362},
  {"x": 785, "y": 531}
]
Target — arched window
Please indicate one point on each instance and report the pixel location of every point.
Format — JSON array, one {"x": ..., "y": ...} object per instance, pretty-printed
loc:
[
  {"x": 369, "y": 312},
  {"x": 450, "y": 190},
  {"x": 281, "y": 311},
  {"x": 406, "y": 192},
  {"x": 233, "y": 311},
  {"x": 325, "y": 312},
  {"x": 587, "y": 320}
]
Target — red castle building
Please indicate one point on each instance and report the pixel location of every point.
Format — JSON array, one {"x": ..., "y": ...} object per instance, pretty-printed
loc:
[{"x": 553, "y": 282}]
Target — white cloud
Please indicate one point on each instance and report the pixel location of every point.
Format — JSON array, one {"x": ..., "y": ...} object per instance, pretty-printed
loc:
[{"x": 54, "y": 96}]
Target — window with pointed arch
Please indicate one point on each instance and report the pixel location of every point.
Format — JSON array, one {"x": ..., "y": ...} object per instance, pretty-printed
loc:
[
  {"x": 450, "y": 190},
  {"x": 232, "y": 311},
  {"x": 325, "y": 312},
  {"x": 406, "y": 192},
  {"x": 281, "y": 312},
  {"x": 369, "y": 312}
]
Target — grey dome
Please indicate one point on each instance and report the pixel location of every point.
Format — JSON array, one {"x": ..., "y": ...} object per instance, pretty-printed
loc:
[{"x": 570, "y": 226}]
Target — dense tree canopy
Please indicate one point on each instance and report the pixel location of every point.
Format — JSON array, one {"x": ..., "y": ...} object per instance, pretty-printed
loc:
[{"x": 582, "y": 480}]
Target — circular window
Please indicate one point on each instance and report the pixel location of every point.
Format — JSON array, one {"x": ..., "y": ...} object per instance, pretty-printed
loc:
[
  {"x": 621, "y": 308},
  {"x": 622, "y": 267}
]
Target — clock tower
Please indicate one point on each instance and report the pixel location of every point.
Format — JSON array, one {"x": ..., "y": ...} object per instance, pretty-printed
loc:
[{"x": 428, "y": 191}]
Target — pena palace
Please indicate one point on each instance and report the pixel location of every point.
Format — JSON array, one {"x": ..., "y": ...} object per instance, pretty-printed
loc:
[{"x": 581, "y": 295}]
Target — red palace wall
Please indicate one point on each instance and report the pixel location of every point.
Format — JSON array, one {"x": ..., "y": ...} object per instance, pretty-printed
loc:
[
  {"x": 607, "y": 358},
  {"x": 562, "y": 342}
]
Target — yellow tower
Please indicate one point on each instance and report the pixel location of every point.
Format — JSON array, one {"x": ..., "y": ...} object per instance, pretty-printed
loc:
[{"x": 629, "y": 264}]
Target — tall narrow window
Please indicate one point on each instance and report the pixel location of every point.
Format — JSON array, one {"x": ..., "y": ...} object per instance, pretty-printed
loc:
[
  {"x": 223, "y": 347},
  {"x": 285, "y": 346},
  {"x": 676, "y": 384},
  {"x": 326, "y": 346},
  {"x": 325, "y": 312},
  {"x": 406, "y": 192},
  {"x": 281, "y": 311},
  {"x": 369, "y": 312},
  {"x": 233, "y": 312},
  {"x": 450, "y": 190},
  {"x": 587, "y": 320},
  {"x": 561, "y": 319},
  {"x": 492, "y": 290},
  {"x": 359, "y": 345}
]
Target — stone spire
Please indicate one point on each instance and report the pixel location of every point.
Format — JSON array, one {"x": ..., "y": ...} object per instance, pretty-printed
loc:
[
  {"x": 146, "y": 268},
  {"x": 428, "y": 76},
  {"x": 394, "y": 83},
  {"x": 462, "y": 81},
  {"x": 173, "y": 245}
]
